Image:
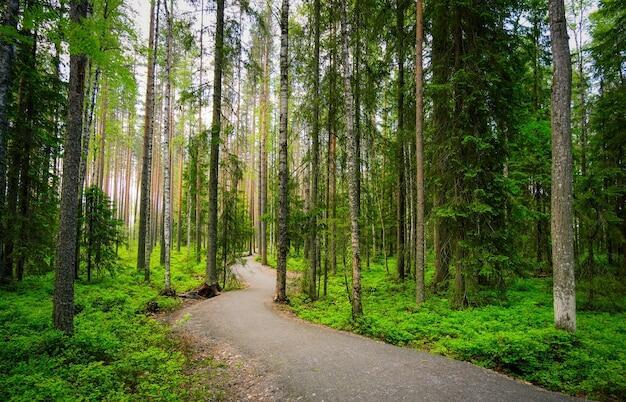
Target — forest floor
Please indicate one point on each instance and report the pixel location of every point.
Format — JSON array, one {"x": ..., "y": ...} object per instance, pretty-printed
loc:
[
  {"x": 511, "y": 332},
  {"x": 120, "y": 350},
  {"x": 312, "y": 362}
]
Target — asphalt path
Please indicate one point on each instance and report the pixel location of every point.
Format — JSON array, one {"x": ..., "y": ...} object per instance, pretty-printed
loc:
[{"x": 312, "y": 362}]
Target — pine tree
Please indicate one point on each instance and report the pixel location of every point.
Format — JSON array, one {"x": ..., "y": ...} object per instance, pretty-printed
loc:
[{"x": 63, "y": 306}]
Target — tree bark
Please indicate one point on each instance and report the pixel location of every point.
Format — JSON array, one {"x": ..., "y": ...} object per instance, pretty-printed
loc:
[
  {"x": 420, "y": 294},
  {"x": 353, "y": 168},
  {"x": 211, "y": 270},
  {"x": 199, "y": 142},
  {"x": 167, "y": 183},
  {"x": 7, "y": 59},
  {"x": 400, "y": 228},
  {"x": 561, "y": 218},
  {"x": 315, "y": 145},
  {"x": 263, "y": 151},
  {"x": 143, "y": 263},
  {"x": 283, "y": 172},
  {"x": 63, "y": 303},
  {"x": 441, "y": 117}
]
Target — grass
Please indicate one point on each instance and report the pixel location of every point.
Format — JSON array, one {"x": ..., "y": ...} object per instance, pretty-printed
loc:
[
  {"x": 514, "y": 336},
  {"x": 118, "y": 351}
]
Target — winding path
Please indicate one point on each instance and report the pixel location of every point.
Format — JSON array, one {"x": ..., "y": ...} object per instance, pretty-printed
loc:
[{"x": 311, "y": 362}]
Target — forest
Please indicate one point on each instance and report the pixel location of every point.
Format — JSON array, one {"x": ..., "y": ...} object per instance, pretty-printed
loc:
[{"x": 446, "y": 176}]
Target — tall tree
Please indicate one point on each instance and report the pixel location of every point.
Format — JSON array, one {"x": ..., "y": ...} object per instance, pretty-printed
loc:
[
  {"x": 167, "y": 158},
  {"x": 564, "y": 291},
  {"x": 264, "y": 128},
  {"x": 315, "y": 151},
  {"x": 420, "y": 295},
  {"x": 143, "y": 263},
  {"x": 7, "y": 56},
  {"x": 401, "y": 189},
  {"x": 283, "y": 172},
  {"x": 353, "y": 167},
  {"x": 211, "y": 264},
  {"x": 441, "y": 67},
  {"x": 199, "y": 145},
  {"x": 63, "y": 306}
]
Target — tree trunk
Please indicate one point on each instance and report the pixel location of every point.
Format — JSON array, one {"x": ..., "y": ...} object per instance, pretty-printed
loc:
[
  {"x": 211, "y": 270},
  {"x": 332, "y": 165},
  {"x": 63, "y": 304},
  {"x": 263, "y": 151},
  {"x": 283, "y": 172},
  {"x": 200, "y": 137},
  {"x": 420, "y": 294},
  {"x": 562, "y": 225},
  {"x": 25, "y": 129},
  {"x": 400, "y": 140},
  {"x": 7, "y": 58},
  {"x": 181, "y": 162},
  {"x": 313, "y": 242},
  {"x": 143, "y": 260},
  {"x": 441, "y": 118},
  {"x": 353, "y": 168},
  {"x": 167, "y": 183}
]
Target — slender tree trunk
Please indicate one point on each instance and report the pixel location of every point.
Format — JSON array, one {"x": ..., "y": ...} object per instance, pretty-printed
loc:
[
  {"x": 143, "y": 260},
  {"x": 201, "y": 136},
  {"x": 7, "y": 58},
  {"x": 102, "y": 144},
  {"x": 25, "y": 130},
  {"x": 420, "y": 294},
  {"x": 353, "y": 168},
  {"x": 167, "y": 183},
  {"x": 400, "y": 251},
  {"x": 63, "y": 303},
  {"x": 312, "y": 291},
  {"x": 264, "y": 133},
  {"x": 181, "y": 162},
  {"x": 211, "y": 274},
  {"x": 441, "y": 119},
  {"x": 562, "y": 225},
  {"x": 283, "y": 172},
  {"x": 332, "y": 169}
]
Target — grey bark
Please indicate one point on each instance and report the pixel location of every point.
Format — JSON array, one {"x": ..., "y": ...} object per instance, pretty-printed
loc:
[
  {"x": 198, "y": 204},
  {"x": 315, "y": 145},
  {"x": 564, "y": 291},
  {"x": 420, "y": 294},
  {"x": 353, "y": 168},
  {"x": 283, "y": 172},
  {"x": 143, "y": 263},
  {"x": 167, "y": 183},
  {"x": 400, "y": 228},
  {"x": 211, "y": 265},
  {"x": 264, "y": 120},
  {"x": 63, "y": 303}
]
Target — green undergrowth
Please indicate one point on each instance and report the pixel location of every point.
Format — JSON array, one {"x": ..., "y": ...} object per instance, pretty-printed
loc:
[
  {"x": 296, "y": 264},
  {"x": 119, "y": 351},
  {"x": 514, "y": 336}
]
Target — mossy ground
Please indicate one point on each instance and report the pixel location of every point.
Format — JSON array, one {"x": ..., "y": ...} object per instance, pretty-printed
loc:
[
  {"x": 118, "y": 351},
  {"x": 513, "y": 333}
]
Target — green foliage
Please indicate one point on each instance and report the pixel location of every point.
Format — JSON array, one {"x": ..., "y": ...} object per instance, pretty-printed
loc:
[
  {"x": 101, "y": 232},
  {"x": 118, "y": 352},
  {"x": 515, "y": 336}
]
